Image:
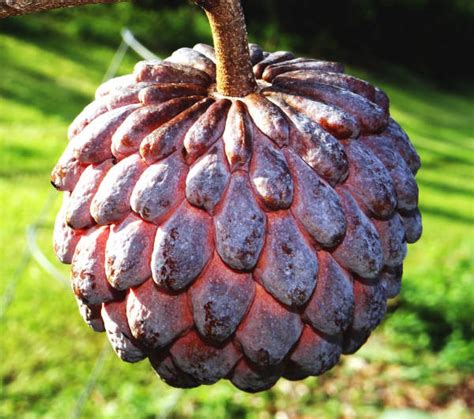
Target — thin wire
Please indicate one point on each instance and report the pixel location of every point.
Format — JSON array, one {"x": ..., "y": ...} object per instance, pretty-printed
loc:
[
  {"x": 10, "y": 291},
  {"x": 138, "y": 47},
  {"x": 91, "y": 381},
  {"x": 128, "y": 41},
  {"x": 9, "y": 294},
  {"x": 116, "y": 61},
  {"x": 40, "y": 257}
]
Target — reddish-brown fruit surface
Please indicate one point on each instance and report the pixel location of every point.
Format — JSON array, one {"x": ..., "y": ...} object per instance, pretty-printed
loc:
[{"x": 246, "y": 238}]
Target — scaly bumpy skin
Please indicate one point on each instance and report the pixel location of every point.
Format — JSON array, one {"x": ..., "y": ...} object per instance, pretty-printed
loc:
[{"x": 240, "y": 238}]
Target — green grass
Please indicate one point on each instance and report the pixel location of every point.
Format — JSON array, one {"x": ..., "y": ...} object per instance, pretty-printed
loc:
[{"x": 421, "y": 358}]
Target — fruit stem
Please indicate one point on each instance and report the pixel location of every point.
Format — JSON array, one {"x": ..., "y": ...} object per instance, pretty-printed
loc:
[{"x": 234, "y": 69}]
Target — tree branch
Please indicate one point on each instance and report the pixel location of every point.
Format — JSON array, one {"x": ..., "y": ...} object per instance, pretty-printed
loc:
[{"x": 22, "y": 7}]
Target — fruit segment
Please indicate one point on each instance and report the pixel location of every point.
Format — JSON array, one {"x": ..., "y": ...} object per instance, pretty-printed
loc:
[
  {"x": 114, "y": 84},
  {"x": 206, "y": 131},
  {"x": 149, "y": 310},
  {"x": 65, "y": 238},
  {"x": 331, "y": 306},
  {"x": 271, "y": 176},
  {"x": 193, "y": 58},
  {"x": 111, "y": 203},
  {"x": 67, "y": 171},
  {"x": 411, "y": 221},
  {"x": 118, "y": 332},
  {"x": 88, "y": 272},
  {"x": 329, "y": 77},
  {"x": 127, "y": 139},
  {"x": 403, "y": 179},
  {"x": 369, "y": 181},
  {"x": 288, "y": 266},
  {"x": 159, "y": 189},
  {"x": 370, "y": 305},
  {"x": 183, "y": 245},
  {"x": 334, "y": 120},
  {"x": 301, "y": 65},
  {"x": 155, "y": 94},
  {"x": 91, "y": 315},
  {"x": 159, "y": 72},
  {"x": 392, "y": 239},
  {"x": 272, "y": 58},
  {"x": 269, "y": 330},
  {"x": 314, "y": 354},
  {"x": 371, "y": 117},
  {"x": 207, "y": 180},
  {"x": 128, "y": 252},
  {"x": 316, "y": 205},
  {"x": 317, "y": 148},
  {"x": 169, "y": 137},
  {"x": 400, "y": 141},
  {"x": 78, "y": 214},
  {"x": 93, "y": 144},
  {"x": 164, "y": 366},
  {"x": 240, "y": 226},
  {"x": 268, "y": 118},
  {"x": 220, "y": 299},
  {"x": 206, "y": 50},
  {"x": 251, "y": 379},
  {"x": 206, "y": 363},
  {"x": 361, "y": 250},
  {"x": 391, "y": 280},
  {"x": 237, "y": 137}
]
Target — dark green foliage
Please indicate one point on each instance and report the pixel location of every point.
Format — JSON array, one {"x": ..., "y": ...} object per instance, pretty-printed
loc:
[{"x": 432, "y": 37}]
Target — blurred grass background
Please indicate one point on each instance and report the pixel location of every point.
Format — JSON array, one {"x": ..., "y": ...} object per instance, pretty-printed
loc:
[{"x": 418, "y": 364}]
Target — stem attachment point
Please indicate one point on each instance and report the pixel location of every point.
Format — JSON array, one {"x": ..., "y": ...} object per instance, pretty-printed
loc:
[{"x": 233, "y": 67}]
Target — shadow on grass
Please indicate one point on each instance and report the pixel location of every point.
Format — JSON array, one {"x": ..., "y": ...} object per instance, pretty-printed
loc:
[
  {"x": 57, "y": 41},
  {"x": 34, "y": 89},
  {"x": 21, "y": 153},
  {"x": 438, "y": 159},
  {"x": 81, "y": 53},
  {"x": 442, "y": 213},
  {"x": 35, "y": 172},
  {"x": 434, "y": 316},
  {"x": 434, "y": 108},
  {"x": 22, "y": 160},
  {"x": 446, "y": 189}
]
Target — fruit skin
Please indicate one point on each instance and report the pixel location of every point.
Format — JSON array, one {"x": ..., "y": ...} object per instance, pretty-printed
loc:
[{"x": 242, "y": 238}]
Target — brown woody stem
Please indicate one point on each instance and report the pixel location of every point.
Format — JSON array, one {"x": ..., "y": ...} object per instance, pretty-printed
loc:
[
  {"x": 22, "y": 7},
  {"x": 234, "y": 69}
]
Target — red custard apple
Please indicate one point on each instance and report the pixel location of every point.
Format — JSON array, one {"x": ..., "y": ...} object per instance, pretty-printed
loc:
[{"x": 235, "y": 213}]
